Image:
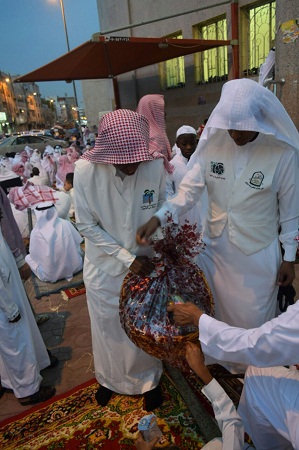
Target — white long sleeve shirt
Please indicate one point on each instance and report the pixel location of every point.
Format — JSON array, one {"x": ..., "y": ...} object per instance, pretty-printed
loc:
[
  {"x": 274, "y": 343},
  {"x": 229, "y": 421}
]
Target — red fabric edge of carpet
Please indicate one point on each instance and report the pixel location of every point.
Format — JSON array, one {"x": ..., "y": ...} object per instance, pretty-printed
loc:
[{"x": 42, "y": 405}]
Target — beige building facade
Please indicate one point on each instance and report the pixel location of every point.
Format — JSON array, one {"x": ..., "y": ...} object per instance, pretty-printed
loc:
[{"x": 192, "y": 84}]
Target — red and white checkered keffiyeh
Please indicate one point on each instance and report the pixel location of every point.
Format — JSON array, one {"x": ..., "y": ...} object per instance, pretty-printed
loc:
[
  {"x": 153, "y": 108},
  {"x": 123, "y": 138},
  {"x": 30, "y": 196}
]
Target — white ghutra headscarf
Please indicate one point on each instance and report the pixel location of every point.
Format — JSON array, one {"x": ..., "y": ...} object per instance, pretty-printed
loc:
[{"x": 246, "y": 105}]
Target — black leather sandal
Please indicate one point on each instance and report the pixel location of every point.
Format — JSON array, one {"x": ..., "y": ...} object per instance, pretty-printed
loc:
[{"x": 43, "y": 394}]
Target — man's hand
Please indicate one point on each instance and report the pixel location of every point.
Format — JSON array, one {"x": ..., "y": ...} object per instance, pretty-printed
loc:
[
  {"x": 286, "y": 273},
  {"x": 196, "y": 361},
  {"x": 185, "y": 313},
  {"x": 142, "y": 266},
  {"x": 141, "y": 444},
  {"x": 145, "y": 231},
  {"x": 25, "y": 272}
]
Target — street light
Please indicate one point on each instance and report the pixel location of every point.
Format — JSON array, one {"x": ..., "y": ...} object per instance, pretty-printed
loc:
[{"x": 68, "y": 48}]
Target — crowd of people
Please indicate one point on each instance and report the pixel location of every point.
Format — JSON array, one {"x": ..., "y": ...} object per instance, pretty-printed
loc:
[{"x": 239, "y": 185}]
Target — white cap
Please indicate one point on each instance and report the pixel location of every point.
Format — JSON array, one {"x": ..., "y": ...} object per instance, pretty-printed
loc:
[
  {"x": 185, "y": 129},
  {"x": 49, "y": 150}
]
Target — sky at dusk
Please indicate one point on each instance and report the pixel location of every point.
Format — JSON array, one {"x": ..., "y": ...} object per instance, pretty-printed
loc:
[{"x": 32, "y": 34}]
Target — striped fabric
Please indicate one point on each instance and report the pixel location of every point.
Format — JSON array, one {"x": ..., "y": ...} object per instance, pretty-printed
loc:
[
  {"x": 123, "y": 138},
  {"x": 152, "y": 107}
]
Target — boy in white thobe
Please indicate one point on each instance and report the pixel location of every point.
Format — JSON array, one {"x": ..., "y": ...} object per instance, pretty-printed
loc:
[
  {"x": 117, "y": 185},
  {"x": 186, "y": 144},
  {"x": 229, "y": 421}
]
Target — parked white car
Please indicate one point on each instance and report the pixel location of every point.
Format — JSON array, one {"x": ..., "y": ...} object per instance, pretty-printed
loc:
[{"x": 16, "y": 144}]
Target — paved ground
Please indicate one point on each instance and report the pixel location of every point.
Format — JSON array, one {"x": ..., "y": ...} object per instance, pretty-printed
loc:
[{"x": 67, "y": 335}]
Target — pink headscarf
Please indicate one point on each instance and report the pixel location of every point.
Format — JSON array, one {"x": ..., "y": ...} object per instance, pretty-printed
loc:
[
  {"x": 65, "y": 165},
  {"x": 123, "y": 138},
  {"x": 19, "y": 169},
  {"x": 24, "y": 156},
  {"x": 72, "y": 153},
  {"x": 152, "y": 107}
]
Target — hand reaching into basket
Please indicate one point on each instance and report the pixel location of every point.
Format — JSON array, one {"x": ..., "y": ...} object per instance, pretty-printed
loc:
[
  {"x": 185, "y": 313},
  {"x": 142, "y": 266}
]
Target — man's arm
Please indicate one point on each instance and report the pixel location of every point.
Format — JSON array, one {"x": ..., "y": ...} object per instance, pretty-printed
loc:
[
  {"x": 272, "y": 344},
  {"x": 7, "y": 305},
  {"x": 89, "y": 228},
  {"x": 10, "y": 229},
  {"x": 229, "y": 421},
  {"x": 190, "y": 190},
  {"x": 286, "y": 182}
]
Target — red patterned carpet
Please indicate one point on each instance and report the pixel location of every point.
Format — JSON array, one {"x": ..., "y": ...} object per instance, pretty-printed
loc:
[{"x": 75, "y": 421}]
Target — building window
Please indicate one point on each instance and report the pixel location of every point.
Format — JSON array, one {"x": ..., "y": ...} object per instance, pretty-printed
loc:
[
  {"x": 259, "y": 30},
  {"x": 211, "y": 65},
  {"x": 172, "y": 72}
]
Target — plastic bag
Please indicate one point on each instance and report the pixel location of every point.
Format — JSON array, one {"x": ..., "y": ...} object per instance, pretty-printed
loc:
[{"x": 144, "y": 301}]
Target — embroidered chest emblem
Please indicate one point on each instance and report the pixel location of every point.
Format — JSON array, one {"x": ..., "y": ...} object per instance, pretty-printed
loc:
[
  {"x": 217, "y": 168},
  {"x": 148, "y": 196},
  {"x": 148, "y": 199},
  {"x": 257, "y": 179}
]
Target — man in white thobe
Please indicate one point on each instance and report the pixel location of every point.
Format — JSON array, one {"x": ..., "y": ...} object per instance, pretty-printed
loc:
[
  {"x": 54, "y": 248},
  {"x": 38, "y": 179},
  {"x": 228, "y": 419},
  {"x": 117, "y": 186},
  {"x": 269, "y": 404},
  {"x": 22, "y": 351},
  {"x": 247, "y": 158}
]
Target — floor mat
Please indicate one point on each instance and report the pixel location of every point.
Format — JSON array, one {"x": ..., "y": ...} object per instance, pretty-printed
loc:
[
  {"x": 42, "y": 288},
  {"x": 72, "y": 292}
]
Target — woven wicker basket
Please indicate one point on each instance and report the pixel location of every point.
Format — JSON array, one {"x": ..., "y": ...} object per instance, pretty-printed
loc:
[{"x": 144, "y": 316}]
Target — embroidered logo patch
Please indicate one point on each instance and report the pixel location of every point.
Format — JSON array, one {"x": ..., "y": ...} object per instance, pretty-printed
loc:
[
  {"x": 217, "y": 168},
  {"x": 148, "y": 199},
  {"x": 148, "y": 196},
  {"x": 256, "y": 180}
]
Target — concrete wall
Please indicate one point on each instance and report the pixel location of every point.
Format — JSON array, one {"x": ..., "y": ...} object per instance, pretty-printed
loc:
[
  {"x": 193, "y": 103},
  {"x": 182, "y": 103},
  {"x": 287, "y": 54},
  {"x": 98, "y": 96}
]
